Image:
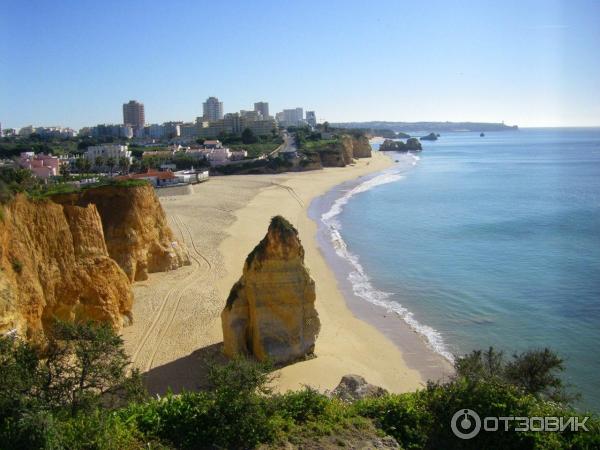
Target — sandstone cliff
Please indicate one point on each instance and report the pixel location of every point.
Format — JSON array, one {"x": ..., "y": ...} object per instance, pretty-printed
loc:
[
  {"x": 135, "y": 228},
  {"x": 270, "y": 313},
  {"x": 361, "y": 148},
  {"x": 75, "y": 255},
  {"x": 347, "y": 149},
  {"x": 54, "y": 263},
  {"x": 344, "y": 151}
]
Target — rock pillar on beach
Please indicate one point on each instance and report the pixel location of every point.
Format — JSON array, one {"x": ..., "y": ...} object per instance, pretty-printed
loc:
[{"x": 270, "y": 312}]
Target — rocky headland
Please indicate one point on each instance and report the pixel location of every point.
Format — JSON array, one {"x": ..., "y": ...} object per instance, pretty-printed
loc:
[
  {"x": 430, "y": 137},
  {"x": 411, "y": 145}
]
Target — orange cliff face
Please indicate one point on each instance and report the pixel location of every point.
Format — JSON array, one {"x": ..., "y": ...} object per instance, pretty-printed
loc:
[
  {"x": 74, "y": 256},
  {"x": 270, "y": 313},
  {"x": 54, "y": 264},
  {"x": 135, "y": 228}
]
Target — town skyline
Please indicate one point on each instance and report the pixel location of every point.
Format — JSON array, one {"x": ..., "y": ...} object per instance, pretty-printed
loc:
[{"x": 120, "y": 118}]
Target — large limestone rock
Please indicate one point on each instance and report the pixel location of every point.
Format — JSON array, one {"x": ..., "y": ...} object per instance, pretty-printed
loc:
[
  {"x": 54, "y": 264},
  {"x": 270, "y": 313},
  {"x": 135, "y": 228}
]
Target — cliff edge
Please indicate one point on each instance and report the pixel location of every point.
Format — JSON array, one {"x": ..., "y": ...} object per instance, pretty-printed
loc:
[
  {"x": 54, "y": 264},
  {"x": 74, "y": 256},
  {"x": 135, "y": 228},
  {"x": 270, "y": 313}
]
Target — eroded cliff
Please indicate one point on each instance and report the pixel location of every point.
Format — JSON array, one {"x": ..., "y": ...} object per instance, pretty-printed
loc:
[
  {"x": 135, "y": 228},
  {"x": 344, "y": 151},
  {"x": 361, "y": 148},
  {"x": 74, "y": 256},
  {"x": 270, "y": 313},
  {"x": 54, "y": 264}
]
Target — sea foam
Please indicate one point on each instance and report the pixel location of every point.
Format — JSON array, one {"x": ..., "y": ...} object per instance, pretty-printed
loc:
[{"x": 359, "y": 280}]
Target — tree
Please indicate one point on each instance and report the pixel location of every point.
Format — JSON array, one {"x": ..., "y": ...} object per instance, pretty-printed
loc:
[
  {"x": 124, "y": 165},
  {"x": 479, "y": 365},
  {"x": 87, "y": 165},
  {"x": 80, "y": 164},
  {"x": 111, "y": 163},
  {"x": 99, "y": 162},
  {"x": 135, "y": 166},
  {"x": 533, "y": 372},
  {"x": 81, "y": 365},
  {"x": 536, "y": 372},
  {"x": 248, "y": 137},
  {"x": 65, "y": 171}
]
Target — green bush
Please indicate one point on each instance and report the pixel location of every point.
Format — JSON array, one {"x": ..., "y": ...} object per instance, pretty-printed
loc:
[
  {"x": 422, "y": 420},
  {"x": 98, "y": 430},
  {"x": 17, "y": 266},
  {"x": 404, "y": 416},
  {"x": 302, "y": 406},
  {"x": 43, "y": 406},
  {"x": 234, "y": 414}
]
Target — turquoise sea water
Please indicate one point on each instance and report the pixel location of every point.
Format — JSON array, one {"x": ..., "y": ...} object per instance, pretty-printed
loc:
[{"x": 483, "y": 241}]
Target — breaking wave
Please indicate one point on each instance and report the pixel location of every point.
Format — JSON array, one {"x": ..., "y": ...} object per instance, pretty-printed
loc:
[{"x": 360, "y": 281}]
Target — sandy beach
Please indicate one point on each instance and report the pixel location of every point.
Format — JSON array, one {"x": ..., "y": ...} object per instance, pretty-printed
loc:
[{"x": 177, "y": 325}]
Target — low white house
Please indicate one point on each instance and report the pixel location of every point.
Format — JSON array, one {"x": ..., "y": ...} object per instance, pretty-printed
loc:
[{"x": 106, "y": 151}]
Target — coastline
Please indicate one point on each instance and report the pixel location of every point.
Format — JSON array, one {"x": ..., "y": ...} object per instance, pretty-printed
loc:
[
  {"x": 177, "y": 315},
  {"x": 364, "y": 300}
]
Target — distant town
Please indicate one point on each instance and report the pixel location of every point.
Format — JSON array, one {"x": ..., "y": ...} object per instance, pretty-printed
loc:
[
  {"x": 180, "y": 153},
  {"x": 165, "y": 154}
]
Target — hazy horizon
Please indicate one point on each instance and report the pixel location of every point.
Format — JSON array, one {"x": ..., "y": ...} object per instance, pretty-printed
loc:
[{"x": 531, "y": 64}]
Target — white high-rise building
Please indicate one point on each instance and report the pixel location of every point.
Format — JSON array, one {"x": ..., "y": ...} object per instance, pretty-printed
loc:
[
  {"x": 212, "y": 109},
  {"x": 311, "y": 118},
  {"x": 291, "y": 117}
]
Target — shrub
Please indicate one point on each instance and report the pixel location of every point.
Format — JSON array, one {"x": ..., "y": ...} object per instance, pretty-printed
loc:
[
  {"x": 98, "y": 430},
  {"x": 302, "y": 406},
  {"x": 234, "y": 414},
  {"x": 535, "y": 371},
  {"x": 17, "y": 265},
  {"x": 404, "y": 416}
]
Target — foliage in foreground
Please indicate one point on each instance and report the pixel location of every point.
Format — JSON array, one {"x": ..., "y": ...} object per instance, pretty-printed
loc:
[{"x": 75, "y": 394}]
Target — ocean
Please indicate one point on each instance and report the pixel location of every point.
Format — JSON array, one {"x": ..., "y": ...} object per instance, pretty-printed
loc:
[{"x": 482, "y": 241}]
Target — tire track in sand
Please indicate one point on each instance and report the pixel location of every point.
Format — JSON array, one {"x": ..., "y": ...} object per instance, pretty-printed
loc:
[
  {"x": 159, "y": 314},
  {"x": 197, "y": 274}
]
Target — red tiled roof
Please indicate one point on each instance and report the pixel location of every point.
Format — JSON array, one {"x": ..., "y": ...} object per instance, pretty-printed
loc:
[{"x": 166, "y": 175}]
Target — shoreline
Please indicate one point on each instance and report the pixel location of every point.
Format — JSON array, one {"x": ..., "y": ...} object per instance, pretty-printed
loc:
[
  {"x": 431, "y": 364},
  {"x": 177, "y": 324}
]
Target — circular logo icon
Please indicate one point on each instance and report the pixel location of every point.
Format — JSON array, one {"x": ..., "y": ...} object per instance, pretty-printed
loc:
[{"x": 465, "y": 424}]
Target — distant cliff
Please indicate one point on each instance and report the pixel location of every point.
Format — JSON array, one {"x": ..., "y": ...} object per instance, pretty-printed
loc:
[
  {"x": 337, "y": 152},
  {"x": 411, "y": 144},
  {"x": 343, "y": 151},
  {"x": 270, "y": 313},
  {"x": 68, "y": 258},
  {"x": 427, "y": 126}
]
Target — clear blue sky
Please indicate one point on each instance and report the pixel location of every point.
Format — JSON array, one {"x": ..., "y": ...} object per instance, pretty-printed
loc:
[{"x": 74, "y": 63}]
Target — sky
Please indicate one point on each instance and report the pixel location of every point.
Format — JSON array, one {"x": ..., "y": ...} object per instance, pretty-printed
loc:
[{"x": 74, "y": 63}]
